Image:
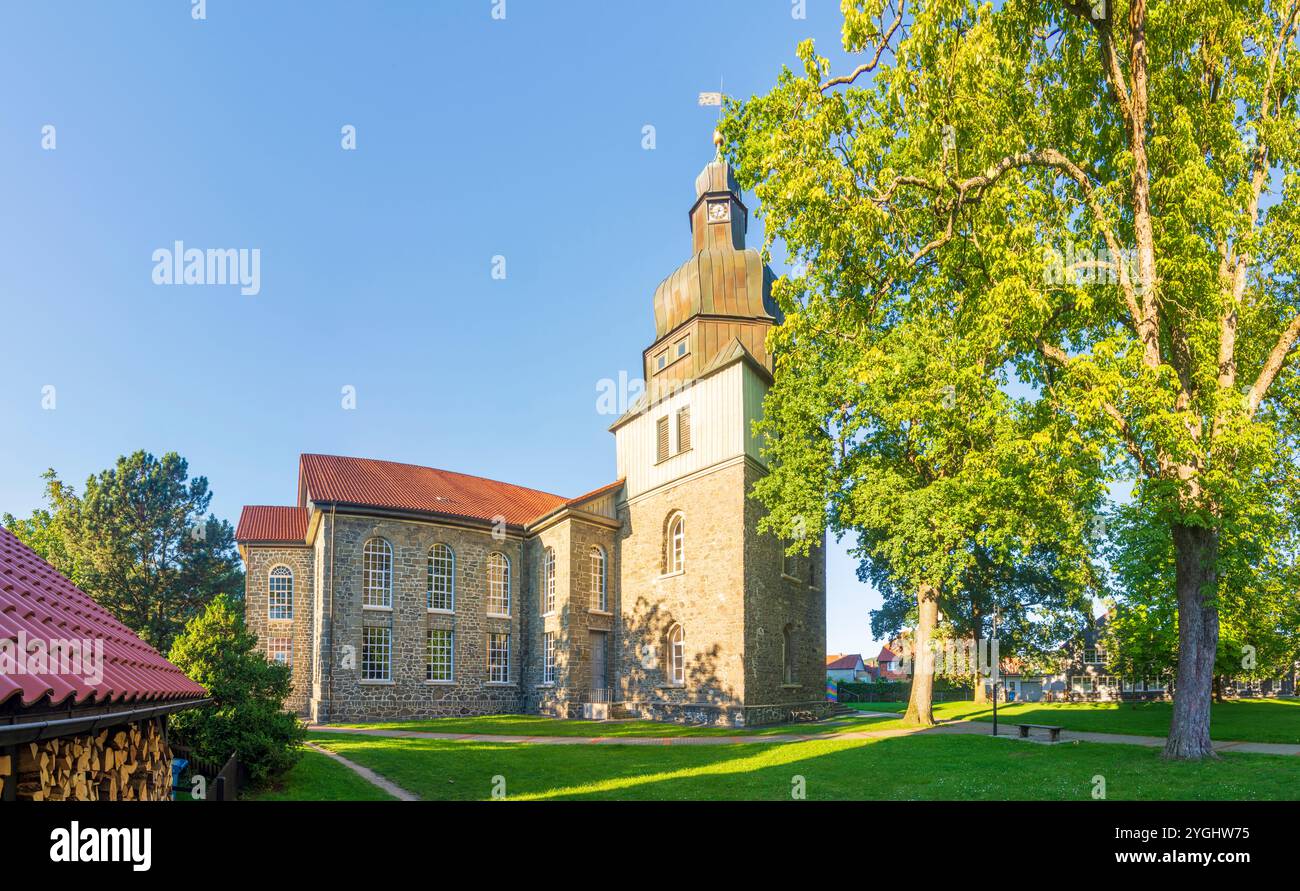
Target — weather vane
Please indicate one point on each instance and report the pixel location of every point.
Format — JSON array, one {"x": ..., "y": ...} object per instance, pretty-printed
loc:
[{"x": 714, "y": 100}]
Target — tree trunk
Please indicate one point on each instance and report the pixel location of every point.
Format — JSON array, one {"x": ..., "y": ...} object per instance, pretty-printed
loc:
[
  {"x": 920, "y": 705},
  {"x": 1195, "y": 553},
  {"x": 1218, "y": 688}
]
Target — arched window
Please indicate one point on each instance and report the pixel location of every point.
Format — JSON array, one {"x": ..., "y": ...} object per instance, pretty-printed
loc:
[
  {"x": 442, "y": 578},
  {"x": 498, "y": 584},
  {"x": 787, "y": 562},
  {"x": 677, "y": 656},
  {"x": 377, "y": 581},
  {"x": 675, "y": 545},
  {"x": 548, "y": 581},
  {"x": 280, "y": 593},
  {"x": 599, "y": 580},
  {"x": 787, "y": 655}
]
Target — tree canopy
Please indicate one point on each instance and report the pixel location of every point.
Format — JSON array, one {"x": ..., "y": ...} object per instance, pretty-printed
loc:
[
  {"x": 1114, "y": 181},
  {"x": 139, "y": 539}
]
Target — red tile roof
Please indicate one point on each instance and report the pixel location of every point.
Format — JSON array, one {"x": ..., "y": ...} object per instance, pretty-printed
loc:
[
  {"x": 850, "y": 661},
  {"x": 886, "y": 655},
  {"x": 385, "y": 484},
  {"x": 37, "y": 603},
  {"x": 264, "y": 523},
  {"x": 609, "y": 487}
]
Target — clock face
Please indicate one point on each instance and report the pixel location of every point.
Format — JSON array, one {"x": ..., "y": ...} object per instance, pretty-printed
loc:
[{"x": 719, "y": 212}]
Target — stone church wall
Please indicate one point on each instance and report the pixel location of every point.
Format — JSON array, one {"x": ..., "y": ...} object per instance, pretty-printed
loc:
[
  {"x": 300, "y": 560},
  {"x": 778, "y": 601},
  {"x": 707, "y": 599},
  {"x": 408, "y": 694}
]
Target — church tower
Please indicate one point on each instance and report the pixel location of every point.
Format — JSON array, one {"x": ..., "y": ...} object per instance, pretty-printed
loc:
[{"x": 716, "y": 625}]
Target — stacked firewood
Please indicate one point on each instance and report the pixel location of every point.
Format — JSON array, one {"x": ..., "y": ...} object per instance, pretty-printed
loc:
[{"x": 126, "y": 763}]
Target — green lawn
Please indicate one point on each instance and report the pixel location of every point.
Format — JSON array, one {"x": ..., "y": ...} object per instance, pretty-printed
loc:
[
  {"x": 943, "y": 767},
  {"x": 537, "y": 725},
  {"x": 1251, "y": 720},
  {"x": 317, "y": 777}
]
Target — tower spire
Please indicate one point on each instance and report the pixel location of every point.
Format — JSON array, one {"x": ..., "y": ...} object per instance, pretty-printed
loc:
[{"x": 719, "y": 218}]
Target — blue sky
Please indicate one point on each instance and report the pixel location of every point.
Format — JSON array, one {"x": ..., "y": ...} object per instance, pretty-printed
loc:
[{"x": 475, "y": 138}]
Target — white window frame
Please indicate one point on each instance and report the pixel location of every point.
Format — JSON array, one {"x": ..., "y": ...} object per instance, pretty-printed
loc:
[
  {"x": 677, "y": 656},
  {"x": 277, "y": 609},
  {"x": 787, "y": 656},
  {"x": 377, "y": 574},
  {"x": 498, "y": 579},
  {"x": 442, "y": 579},
  {"x": 676, "y": 544},
  {"x": 599, "y": 579},
  {"x": 548, "y": 581},
  {"x": 372, "y": 637},
  {"x": 493, "y": 649},
  {"x": 548, "y": 658},
  {"x": 280, "y": 645},
  {"x": 448, "y": 651}
]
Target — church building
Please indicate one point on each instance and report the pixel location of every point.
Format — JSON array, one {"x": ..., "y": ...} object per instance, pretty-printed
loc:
[{"x": 402, "y": 591}]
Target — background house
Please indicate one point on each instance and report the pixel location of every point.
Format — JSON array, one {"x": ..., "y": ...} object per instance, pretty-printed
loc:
[{"x": 848, "y": 667}]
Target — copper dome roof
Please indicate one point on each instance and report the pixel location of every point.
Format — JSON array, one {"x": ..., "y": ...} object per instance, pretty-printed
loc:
[
  {"x": 716, "y": 281},
  {"x": 723, "y": 278}
]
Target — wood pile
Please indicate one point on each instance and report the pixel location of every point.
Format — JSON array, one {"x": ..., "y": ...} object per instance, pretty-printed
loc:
[{"x": 130, "y": 762}]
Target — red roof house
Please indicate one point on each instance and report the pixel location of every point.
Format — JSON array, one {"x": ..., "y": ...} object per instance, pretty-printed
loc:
[{"x": 70, "y": 670}]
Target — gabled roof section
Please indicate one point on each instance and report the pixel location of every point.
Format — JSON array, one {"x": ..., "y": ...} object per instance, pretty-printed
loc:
[
  {"x": 732, "y": 353},
  {"x": 849, "y": 662},
  {"x": 39, "y": 604},
  {"x": 580, "y": 501},
  {"x": 362, "y": 482},
  {"x": 595, "y": 493},
  {"x": 264, "y": 523}
]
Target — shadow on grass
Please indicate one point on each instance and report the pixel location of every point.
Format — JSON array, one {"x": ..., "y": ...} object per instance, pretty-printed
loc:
[
  {"x": 932, "y": 766},
  {"x": 1251, "y": 720}
]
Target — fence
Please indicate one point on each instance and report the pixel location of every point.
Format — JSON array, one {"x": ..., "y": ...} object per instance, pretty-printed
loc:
[
  {"x": 223, "y": 781},
  {"x": 897, "y": 692}
]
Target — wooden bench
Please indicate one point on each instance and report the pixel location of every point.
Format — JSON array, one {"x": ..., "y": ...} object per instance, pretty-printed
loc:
[{"x": 1054, "y": 732}]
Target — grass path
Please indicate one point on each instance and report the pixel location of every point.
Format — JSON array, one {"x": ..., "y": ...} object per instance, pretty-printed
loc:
[{"x": 318, "y": 777}]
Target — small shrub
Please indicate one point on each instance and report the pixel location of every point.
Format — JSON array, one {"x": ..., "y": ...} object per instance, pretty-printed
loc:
[{"x": 247, "y": 716}]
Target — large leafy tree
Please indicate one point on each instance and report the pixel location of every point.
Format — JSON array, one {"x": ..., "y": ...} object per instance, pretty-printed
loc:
[
  {"x": 1120, "y": 174},
  {"x": 904, "y": 436},
  {"x": 139, "y": 539}
]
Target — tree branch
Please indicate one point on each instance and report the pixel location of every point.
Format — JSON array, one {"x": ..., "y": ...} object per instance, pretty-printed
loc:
[
  {"x": 875, "y": 60},
  {"x": 1272, "y": 366},
  {"x": 1058, "y": 356}
]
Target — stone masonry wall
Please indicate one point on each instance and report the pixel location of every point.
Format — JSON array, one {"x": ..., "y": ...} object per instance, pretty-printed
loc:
[
  {"x": 574, "y": 618},
  {"x": 408, "y": 694},
  {"x": 774, "y": 602},
  {"x": 300, "y": 560},
  {"x": 707, "y": 599}
]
